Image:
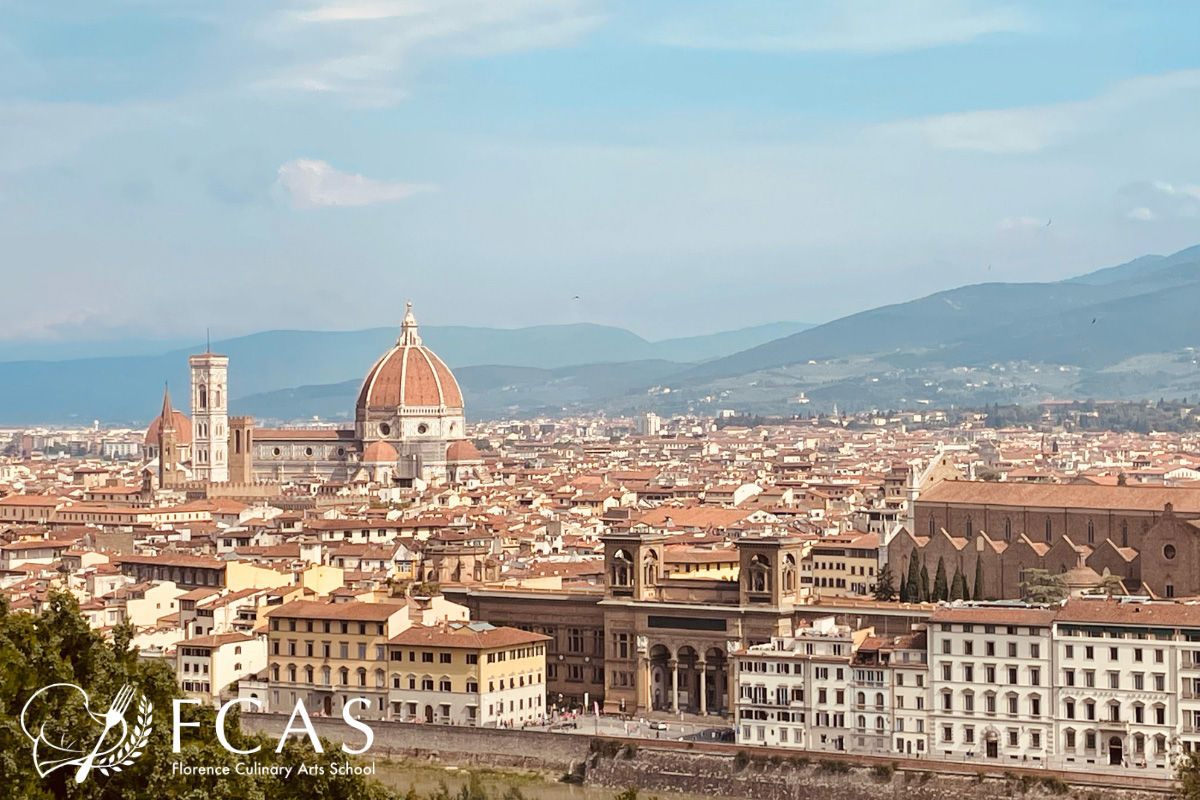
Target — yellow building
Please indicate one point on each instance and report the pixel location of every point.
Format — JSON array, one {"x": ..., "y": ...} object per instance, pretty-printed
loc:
[
  {"x": 467, "y": 673},
  {"x": 845, "y": 566},
  {"x": 329, "y": 653}
]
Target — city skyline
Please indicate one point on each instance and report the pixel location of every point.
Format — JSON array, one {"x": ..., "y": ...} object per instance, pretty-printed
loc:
[{"x": 315, "y": 165}]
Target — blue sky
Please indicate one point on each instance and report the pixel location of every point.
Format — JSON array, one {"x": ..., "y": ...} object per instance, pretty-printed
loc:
[{"x": 682, "y": 167}]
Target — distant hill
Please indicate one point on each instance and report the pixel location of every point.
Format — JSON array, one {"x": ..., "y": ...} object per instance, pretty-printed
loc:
[
  {"x": 489, "y": 392},
  {"x": 129, "y": 388},
  {"x": 1140, "y": 307}
]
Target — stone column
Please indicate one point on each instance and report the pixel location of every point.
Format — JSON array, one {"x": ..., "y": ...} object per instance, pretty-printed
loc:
[
  {"x": 642, "y": 681},
  {"x": 674, "y": 665},
  {"x": 702, "y": 666}
]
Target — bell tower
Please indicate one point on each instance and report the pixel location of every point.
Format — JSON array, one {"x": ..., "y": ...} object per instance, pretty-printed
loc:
[
  {"x": 210, "y": 419},
  {"x": 633, "y": 565},
  {"x": 241, "y": 449},
  {"x": 168, "y": 445}
]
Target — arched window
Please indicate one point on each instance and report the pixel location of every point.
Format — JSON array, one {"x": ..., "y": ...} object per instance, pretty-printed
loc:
[
  {"x": 362, "y": 677},
  {"x": 879, "y": 699},
  {"x": 1007, "y": 529},
  {"x": 1091, "y": 532},
  {"x": 622, "y": 574},
  {"x": 202, "y": 392},
  {"x": 1049, "y": 529},
  {"x": 650, "y": 568},
  {"x": 862, "y": 699},
  {"x": 932, "y": 526},
  {"x": 216, "y": 398},
  {"x": 291, "y": 673},
  {"x": 1124, "y": 533},
  {"x": 760, "y": 573},
  {"x": 879, "y": 724},
  {"x": 237, "y": 440},
  {"x": 308, "y": 674},
  {"x": 344, "y": 676},
  {"x": 862, "y": 721},
  {"x": 789, "y": 573},
  {"x": 970, "y": 527}
]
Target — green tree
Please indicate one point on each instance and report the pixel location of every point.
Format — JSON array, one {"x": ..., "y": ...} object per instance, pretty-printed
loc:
[
  {"x": 941, "y": 587},
  {"x": 977, "y": 590},
  {"x": 958, "y": 586},
  {"x": 1039, "y": 586},
  {"x": 1109, "y": 584},
  {"x": 57, "y": 646},
  {"x": 904, "y": 589},
  {"x": 1187, "y": 772},
  {"x": 885, "y": 591},
  {"x": 914, "y": 578},
  {"x": 924, "y": 586}
]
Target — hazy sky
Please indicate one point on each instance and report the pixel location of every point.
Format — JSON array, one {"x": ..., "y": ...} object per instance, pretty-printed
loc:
[{"x": 682, "y": 166}]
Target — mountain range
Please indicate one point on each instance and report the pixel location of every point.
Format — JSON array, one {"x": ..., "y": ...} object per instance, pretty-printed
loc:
[{"x": 1122, "y": 332}]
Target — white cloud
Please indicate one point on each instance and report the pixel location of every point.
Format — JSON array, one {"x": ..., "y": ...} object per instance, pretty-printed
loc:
[
  {"x": 311, "y": 183},
  {"x": 366, "y": 50},
  {"x": 857, "y": 26},
  {"x": 1159, "y": 200},
  {"x": 1035, "y": 128}
]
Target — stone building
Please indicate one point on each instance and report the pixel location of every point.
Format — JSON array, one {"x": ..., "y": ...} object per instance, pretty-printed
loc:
[
  {"x": 408, "y": 429},
  {"x": 1148, "y": 537}
]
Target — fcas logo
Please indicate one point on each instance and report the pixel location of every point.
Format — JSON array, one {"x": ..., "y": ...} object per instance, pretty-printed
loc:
[{"x": 107, "y": 741}]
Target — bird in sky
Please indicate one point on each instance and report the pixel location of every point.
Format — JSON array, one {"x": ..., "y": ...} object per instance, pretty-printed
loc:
[
  {"x": 1048, "y": 222},
  {"x": 1093, "y": 320}
]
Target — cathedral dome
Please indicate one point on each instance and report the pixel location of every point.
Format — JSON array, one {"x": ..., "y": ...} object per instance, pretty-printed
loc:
[
  {"x": 183, "y": 429},
  {"x": 380, "y": 453},
  {"x": 410, "y": 376}
]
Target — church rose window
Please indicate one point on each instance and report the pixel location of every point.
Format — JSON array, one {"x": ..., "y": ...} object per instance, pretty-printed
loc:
[
  {"x": 422, "y": 428},
  {"x": 1169, "y": 551},
  {"x": 384, "y": 429}
]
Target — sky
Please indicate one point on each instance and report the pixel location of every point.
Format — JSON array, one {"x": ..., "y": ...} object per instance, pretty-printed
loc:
[{"x": 669, "y": 166}]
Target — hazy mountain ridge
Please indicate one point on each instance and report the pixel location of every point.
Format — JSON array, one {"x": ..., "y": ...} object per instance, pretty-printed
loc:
[{"x": 129, "y": 388}]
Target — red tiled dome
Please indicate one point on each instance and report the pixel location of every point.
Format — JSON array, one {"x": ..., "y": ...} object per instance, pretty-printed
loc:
[
  {"x": 380, "y": 453},
  {"x": 409, "y": 374},
  {"x": 183, "y": 429},
  {"x": 462, "y": 451}
]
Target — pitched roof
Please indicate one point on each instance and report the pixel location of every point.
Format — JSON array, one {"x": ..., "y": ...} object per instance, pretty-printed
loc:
[
  {"x": 1064, "y": 495},
  {"x": 471, "y": 635}
]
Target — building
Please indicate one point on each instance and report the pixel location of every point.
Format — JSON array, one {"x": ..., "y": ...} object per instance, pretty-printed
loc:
[
  {"x": 325, "y": 654},
  {"x": 990, "y": 676},
  {"x": 468, "y": 673},
  {"x": 409, "y": 429},
  {"x": 209, "y": 667},
  {"x": 796, "y": 691},
  {"x": 1126, "y": 681},
  {"x": 910, "y": 693}
]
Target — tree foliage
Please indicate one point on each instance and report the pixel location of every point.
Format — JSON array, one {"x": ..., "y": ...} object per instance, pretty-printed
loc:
[
  {"x": 941, "y": 586},
  {"x": 58, "y": 646},
  {"x": 1040, "y": 586},
  {"x": 885, "y": 589},
  {"x": 977, "y": 589}
]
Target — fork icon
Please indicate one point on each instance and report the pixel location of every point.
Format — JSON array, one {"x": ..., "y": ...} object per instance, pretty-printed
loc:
[{"x": 113, "y": 717}]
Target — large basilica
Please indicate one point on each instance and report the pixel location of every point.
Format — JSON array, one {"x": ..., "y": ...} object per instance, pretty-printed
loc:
[{"x": 408, "y": 430}]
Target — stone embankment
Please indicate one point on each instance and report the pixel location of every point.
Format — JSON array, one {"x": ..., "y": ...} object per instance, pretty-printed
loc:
[{"x": 715, "y": 770}]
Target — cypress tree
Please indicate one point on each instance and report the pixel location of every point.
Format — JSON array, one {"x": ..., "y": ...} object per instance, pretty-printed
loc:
[
  {"x": 914, "y": 578},
  {"x": 904, "y": 586},
  {"x": 941, "y": 587},
  {"x": 977, "y": 592},
  {"x": 958, "y": 586},
  {"x": 924, "y": 585}
]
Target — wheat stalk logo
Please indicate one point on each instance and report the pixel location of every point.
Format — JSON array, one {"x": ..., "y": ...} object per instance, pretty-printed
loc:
[{"x": 106, "y": 754}]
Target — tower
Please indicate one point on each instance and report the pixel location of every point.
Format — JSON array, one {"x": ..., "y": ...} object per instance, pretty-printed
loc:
[
  {"x": 210, "y": 422},
  {"x": 241, "y": 449},
  {"x": 168, "y": 445}
]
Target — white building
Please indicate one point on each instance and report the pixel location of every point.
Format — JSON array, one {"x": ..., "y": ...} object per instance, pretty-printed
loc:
[
  {"x": 990, "y": 683},
  {"x": 209, "y": 667},
  {"x": 1121, "y": 695},
  {"x": 910, "y": 693},
  {"x": 795, "y": 691}
]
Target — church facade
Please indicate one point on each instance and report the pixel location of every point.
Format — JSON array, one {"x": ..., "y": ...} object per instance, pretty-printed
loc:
[{"x": 409, "y": 430}]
